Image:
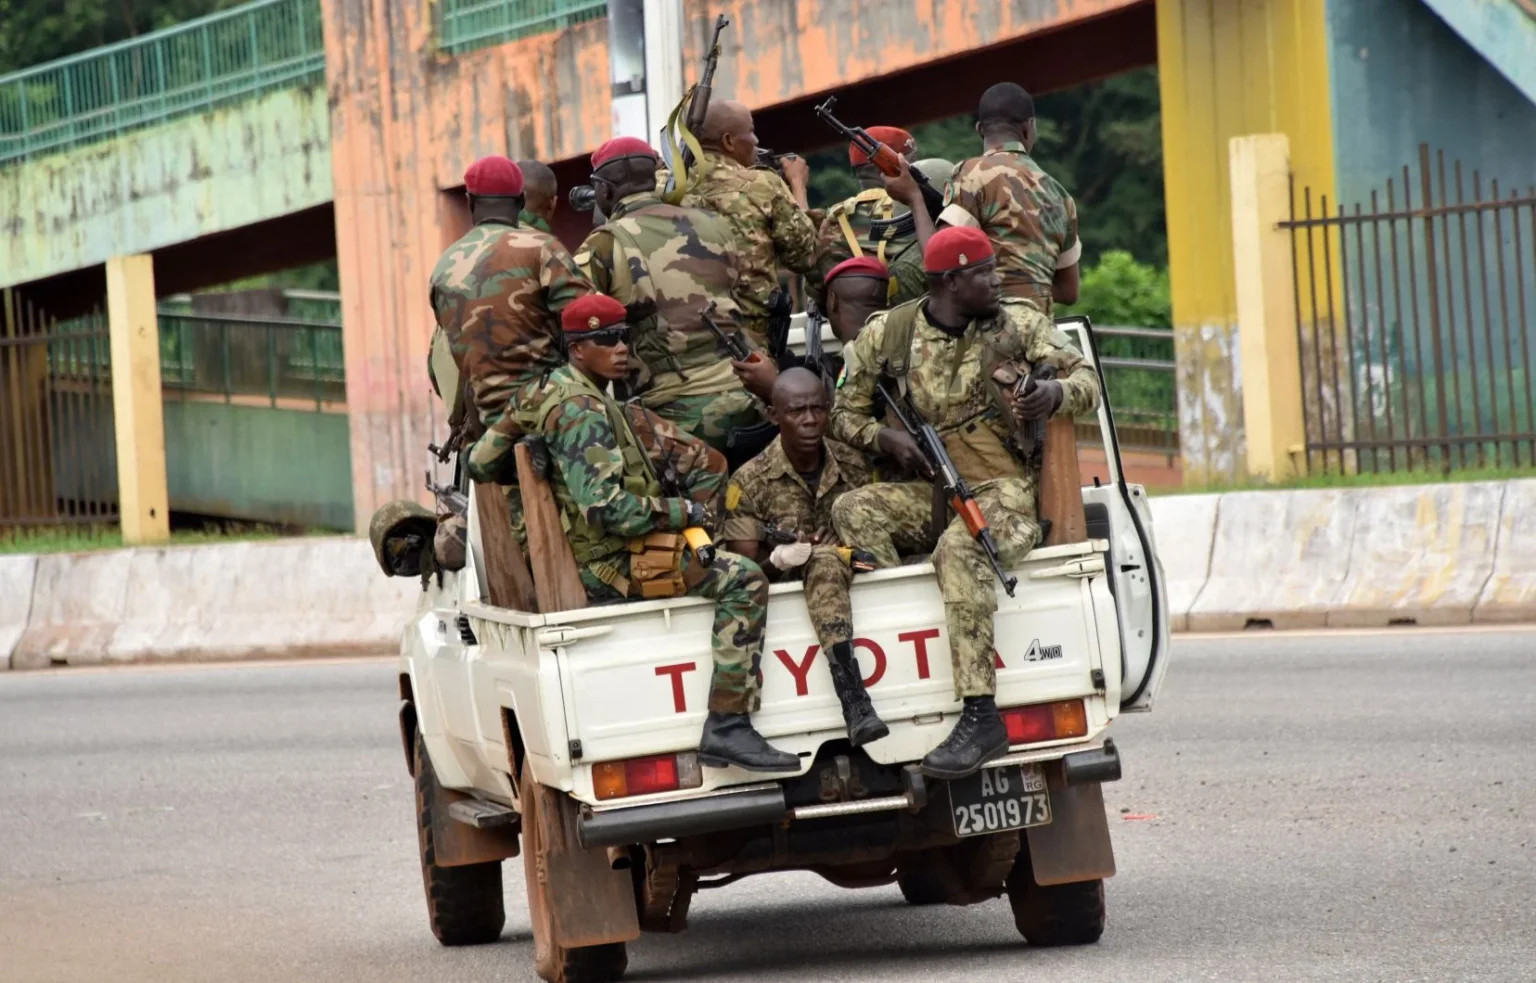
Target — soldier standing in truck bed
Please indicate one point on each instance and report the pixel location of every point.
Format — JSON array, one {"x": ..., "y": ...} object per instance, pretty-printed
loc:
[
  {"x": 1027, "y": 214},
  {"x": 626, "y": 535},
  {"x": 941, "y": 350},
  {"x": 497, "y": 293},
  {"x": 674, "y": 262}
]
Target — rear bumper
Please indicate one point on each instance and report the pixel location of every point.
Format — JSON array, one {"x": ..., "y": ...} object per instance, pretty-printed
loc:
[
  {"x": 759, "y": 805},
  {"x": 753, "y": 806}
]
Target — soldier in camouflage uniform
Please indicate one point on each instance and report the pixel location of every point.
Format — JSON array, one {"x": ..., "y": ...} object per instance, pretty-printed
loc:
[
  {"x": 790, "y": 488},
  {"x": 944, "y": 349},
  {"x": 678, "y": 261},
  {"x": 625, "y": 532},
  {"x": 498, "y": 293},
  {"x": 773, "y": 233},
  {"x": 1029, "y": 217},
  {"x": 846, "y": 232}
]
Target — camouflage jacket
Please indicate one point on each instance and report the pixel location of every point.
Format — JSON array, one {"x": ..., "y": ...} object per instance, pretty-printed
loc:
[
  {"x": 678, "y": 258},
  {"x": 592, "y": 482},
  {"x": 768, "y": 489},
  {"x": 528, "y": 220},
  {"x": 901, "y": 255},
  {"x": 771, "y": 230},
  {"x": 498, "y": 293},
  {"x": 1027, "y": 214},
  {"x": 947, "y": 382}
]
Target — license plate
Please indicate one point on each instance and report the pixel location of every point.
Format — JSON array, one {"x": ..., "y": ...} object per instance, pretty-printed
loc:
[{"x": 998, "y": 799}]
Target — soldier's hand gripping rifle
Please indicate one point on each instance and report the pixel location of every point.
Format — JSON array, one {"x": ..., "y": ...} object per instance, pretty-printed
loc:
[
  {"x": 861, "y": 561},
  {"x": 947, "y": 476},
  {"x": 672, "y": 485},
  {"x": 883, "y": 157},
  {"x": 680, "y": 142}
]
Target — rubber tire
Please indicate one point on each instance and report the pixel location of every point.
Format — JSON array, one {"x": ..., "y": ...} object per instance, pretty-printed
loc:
[
  {"x": 465, "y": 905},
  {"x": 589, "y": 964},
  {"x": 1062, "y": 914},
  {"x": 921, "y": 887}
]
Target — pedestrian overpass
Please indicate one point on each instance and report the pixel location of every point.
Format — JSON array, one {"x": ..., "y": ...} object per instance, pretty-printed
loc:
[{"x": 287, "y": 131}]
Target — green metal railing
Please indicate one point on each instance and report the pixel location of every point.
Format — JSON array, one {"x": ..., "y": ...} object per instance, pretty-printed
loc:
[
  {"x": 189, "y": 68},
  {"x": 271, "y": 357},
  {"x": 466, "y": 24}
]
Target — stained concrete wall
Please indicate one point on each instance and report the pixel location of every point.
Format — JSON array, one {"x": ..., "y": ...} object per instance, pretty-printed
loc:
[{"x": 258, "y": 160}]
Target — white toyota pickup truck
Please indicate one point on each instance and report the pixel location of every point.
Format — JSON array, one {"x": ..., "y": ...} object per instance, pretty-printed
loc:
[{"x": 569, "y": 736}]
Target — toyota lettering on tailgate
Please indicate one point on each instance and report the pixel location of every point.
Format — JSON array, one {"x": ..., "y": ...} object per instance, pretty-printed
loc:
[{"x": 914, "y": 645}]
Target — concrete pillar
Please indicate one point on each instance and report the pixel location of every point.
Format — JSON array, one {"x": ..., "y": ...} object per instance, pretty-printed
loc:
[
  {"x": 138, "y": 415},
  {"x": 1266, "y": 306}
]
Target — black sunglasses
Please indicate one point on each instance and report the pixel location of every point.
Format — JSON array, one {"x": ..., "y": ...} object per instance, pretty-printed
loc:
[{"x": 605, "y": 339}]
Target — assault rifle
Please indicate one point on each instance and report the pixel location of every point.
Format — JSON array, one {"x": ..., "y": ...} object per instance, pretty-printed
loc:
[
  {"x": 732, "y": 344},
  {"x": 947, "y": 477},
  {"x": 862, "y": 561},
  {"x": 448, "y": 496},
  {"x": 779, "y": 314},
  {"x": 883, "y": 157},
  {"x": 671, "y": 481},
  {"x": 685, "y": 123}
]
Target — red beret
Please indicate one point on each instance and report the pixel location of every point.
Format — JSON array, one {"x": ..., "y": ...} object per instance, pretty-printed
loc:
[
  {"x": 494, "y": 176},
  {"x": 955, "y": 248},
  {"x": 592, "y": 312},
  {"x": 859, "y": 266},
  {"x": 620, "y": 147},
  {"x": 894, "y": 137}
]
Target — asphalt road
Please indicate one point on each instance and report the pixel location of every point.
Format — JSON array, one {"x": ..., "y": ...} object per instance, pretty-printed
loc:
[{"x": 1339, "y": 807}]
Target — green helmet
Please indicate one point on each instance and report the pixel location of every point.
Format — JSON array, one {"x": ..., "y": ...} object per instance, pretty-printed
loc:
[
  {"x": 400, "y": 531},
  {"x": 936, "y": 169}
]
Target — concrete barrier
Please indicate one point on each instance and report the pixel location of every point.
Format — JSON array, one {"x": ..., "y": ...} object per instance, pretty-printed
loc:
[
  {"x": 1422, "y": 554},
  {"x": 296, "y": 598},
  {"x": 1185, "y": 527},
  {"x": 16, "y": 576},
  {"x": 1510, "y": 594},
  {"x": 1278, "y": 558},
  {"x": 77, "y": 604}
]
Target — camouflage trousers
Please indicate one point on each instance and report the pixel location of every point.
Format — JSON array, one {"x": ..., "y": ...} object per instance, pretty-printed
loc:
[
  {"x": 740, "y": 592},
  {"x": 893, "y": 519},
  {"x": 827, "y": 579},
  {"x": 711, "y": 418}
]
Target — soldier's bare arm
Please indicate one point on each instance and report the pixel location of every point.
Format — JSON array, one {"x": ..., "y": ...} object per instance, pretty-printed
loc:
[{"x": 583, "y": 447}]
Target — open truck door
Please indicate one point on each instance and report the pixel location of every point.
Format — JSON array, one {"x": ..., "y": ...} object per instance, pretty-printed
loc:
[{"x": 1120, "y": 513}]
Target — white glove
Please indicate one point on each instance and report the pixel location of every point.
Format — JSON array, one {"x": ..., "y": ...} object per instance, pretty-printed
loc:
[{"x": 790, "y": 555}]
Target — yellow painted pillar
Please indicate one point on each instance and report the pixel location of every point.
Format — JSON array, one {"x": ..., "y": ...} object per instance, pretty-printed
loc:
[
  {"x": 138, "y": 416},
  {"x": 1266, "y": 305}
]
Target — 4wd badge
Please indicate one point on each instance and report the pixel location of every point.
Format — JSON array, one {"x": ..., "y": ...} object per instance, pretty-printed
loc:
[{"x": 1042, "y": 653}]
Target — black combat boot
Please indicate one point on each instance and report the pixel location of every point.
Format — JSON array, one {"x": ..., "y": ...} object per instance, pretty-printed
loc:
[
  {"x": 978, "y": 737},
  {"x": 730, "y": 739},
  {"x": 864, "y": 726}
]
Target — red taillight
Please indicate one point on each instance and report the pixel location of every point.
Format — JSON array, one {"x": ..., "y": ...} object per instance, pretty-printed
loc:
[
  {"x": 1045, "y": 722},
  {"x": 646, "y": 776}
]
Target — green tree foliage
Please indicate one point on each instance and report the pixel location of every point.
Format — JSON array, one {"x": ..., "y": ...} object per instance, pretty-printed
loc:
[
  {"x": 1102, "y": 141},
  {"x": 1120, "y": 290},
  {"x": 37, "y": 31}
]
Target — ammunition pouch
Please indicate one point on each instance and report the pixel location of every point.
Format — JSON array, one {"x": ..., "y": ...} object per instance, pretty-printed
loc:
[{"x": 656, "y": 566}]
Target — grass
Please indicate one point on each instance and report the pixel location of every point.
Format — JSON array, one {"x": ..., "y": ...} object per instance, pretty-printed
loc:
[
  {"x": 90, "y": 538},
  {"x": 1365, "y": 480}
]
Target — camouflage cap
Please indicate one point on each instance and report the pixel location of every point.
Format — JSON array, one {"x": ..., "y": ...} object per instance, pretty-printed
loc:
[{"x": 400, "y": 531}]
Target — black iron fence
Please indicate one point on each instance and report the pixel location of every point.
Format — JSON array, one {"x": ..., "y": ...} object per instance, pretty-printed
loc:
[
  {"x": 1139, "y": 375},
  {"x": 58, "y": 451},
  {"x": 276, "y": 359},
  {"x": 1414, "y": 317}
]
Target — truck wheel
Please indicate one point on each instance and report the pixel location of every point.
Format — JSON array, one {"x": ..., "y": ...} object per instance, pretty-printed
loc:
[
  {"x": 588, "y": 964},
  {"x": 464, "y": 904},
  {"x": 1062, "y": 914},
  {"x": 921, "y": 887}
]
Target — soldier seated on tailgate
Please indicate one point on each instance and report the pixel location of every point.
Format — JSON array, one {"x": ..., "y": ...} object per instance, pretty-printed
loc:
[
  {"x": 627, "y": 531},
  {"x": 780, "y": 503},
  {"x": 943, "y": 350}
]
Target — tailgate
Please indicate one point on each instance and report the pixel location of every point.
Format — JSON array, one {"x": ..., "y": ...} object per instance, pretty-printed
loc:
[{"x": 635, "y": 678}]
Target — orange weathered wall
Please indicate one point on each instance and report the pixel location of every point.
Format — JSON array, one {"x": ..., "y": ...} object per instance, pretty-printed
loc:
[{"x": 405, "y": 121}]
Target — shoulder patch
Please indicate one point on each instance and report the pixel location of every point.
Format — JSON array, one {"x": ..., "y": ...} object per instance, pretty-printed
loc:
[
  {"x": 582, "y": 257},
  {"x": 732, "y": 496},
  {"x": 842, "y": 375}
]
